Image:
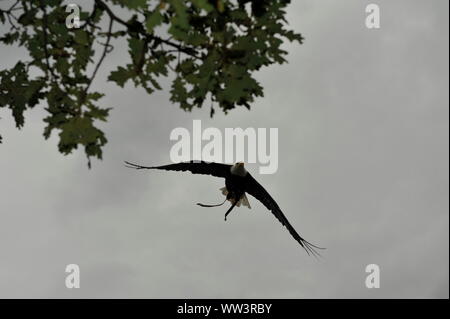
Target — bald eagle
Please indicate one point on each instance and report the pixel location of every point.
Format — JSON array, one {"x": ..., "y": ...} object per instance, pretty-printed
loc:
[{"x": 237, "y": 182}]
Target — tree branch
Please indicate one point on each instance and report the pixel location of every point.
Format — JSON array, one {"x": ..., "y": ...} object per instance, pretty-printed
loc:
[{"x": 186, "y": 50}]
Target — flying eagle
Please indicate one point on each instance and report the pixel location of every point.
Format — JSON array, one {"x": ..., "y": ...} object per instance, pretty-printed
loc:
[{"x": 237, "y": 182}]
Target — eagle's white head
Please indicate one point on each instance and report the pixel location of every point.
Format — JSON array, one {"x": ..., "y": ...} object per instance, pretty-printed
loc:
[{"x": 238, "y": 169}]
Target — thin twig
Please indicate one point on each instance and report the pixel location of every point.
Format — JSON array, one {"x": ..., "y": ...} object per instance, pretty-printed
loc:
[
  {"x": 13, "y": 6},
  {"x": 88, "y": 20},
  {"x": 105, "y": 51},
  {"x": 8, "y": 16}
]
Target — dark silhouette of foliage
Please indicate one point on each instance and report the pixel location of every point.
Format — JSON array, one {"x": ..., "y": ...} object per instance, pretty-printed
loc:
[{"x": 210, "y": 47}]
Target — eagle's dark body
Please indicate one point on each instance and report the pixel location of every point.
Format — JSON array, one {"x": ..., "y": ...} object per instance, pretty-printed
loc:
[
  {"x": 236, "y": 186},
  {"x": 238, "y": 182}
]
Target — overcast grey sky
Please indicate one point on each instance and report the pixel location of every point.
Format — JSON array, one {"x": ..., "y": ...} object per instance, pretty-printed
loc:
[{"x": 363, "y": 170}]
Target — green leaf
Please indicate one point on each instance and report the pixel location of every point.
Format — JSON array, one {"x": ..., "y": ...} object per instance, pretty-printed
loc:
[
  {"x": 81, "y": 37},
  {"x": 120, "y": 76},
  {"x": 80, "y": 130},
  {"x": 27, "y": 17},
  {"x": 180, "y": 22},
  {"x": 10, "y": 38},
  {"x": 153, "y": 20},
  {"x": 203, "y": 4},
  {"x": 180, "y": 94},
  {"x": 135, "y": 4},
  {"x": 220, "y": 6}
]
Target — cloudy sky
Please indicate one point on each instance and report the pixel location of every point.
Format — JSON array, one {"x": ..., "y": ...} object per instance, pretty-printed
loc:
[{"x": 363, "y": 170}]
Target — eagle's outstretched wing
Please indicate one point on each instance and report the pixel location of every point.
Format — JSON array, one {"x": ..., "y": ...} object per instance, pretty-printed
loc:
[
  {"x": 256, "y": 190},
  {"x": 195, "y": 167}
]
